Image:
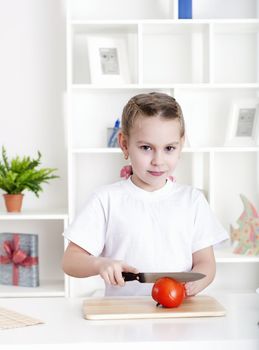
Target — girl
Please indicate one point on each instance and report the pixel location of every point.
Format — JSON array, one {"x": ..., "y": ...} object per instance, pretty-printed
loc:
[{"x": 147, "y": 222}]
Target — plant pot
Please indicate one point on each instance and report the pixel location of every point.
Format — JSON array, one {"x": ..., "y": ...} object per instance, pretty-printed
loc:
[{"x": 13, "y": 202}]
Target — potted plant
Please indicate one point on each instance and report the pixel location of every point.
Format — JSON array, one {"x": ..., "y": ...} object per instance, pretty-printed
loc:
[{"x": 20, "y": 174}]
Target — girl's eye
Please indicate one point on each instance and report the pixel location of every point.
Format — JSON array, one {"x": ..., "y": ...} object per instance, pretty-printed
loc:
[
  {"x": 170, "y": 148},
  {"x": 145, "y": 148}
]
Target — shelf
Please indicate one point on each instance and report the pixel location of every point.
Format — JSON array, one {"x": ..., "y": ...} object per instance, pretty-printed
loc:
[
  {"x": 103, "y": 150},
  {"x": 156, "y": 86},
  {"x": 102, "y": 27},
  {"x": 96, "y": 150},
  {"x": 213, "y": 51},
  {"x": 82, "y": 23},
  {"x": 220, "y": 149},
  {"x": 34, "y": 215},
  {"x": 207, "y": 63},
  {"x": 46, "y": 289},
  {"x": 103, "y": 87},
  {"x": 195, "y": 86},
  {"x": 223, "y": 291}
]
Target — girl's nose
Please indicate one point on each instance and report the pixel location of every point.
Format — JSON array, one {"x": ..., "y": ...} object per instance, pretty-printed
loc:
[{"x": 157, "y": 159}]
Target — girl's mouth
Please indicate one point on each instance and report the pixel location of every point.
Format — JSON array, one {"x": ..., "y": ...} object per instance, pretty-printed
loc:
[{"x": 156, "y": 173}]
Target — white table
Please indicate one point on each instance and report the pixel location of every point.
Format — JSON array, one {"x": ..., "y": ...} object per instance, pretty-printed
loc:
[{"x": 66, "y": 328}]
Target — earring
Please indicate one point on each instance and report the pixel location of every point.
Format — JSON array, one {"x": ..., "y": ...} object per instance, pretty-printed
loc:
[{"x": 126, "y": 156}]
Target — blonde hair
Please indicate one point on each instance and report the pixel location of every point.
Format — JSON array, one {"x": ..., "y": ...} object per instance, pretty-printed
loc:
[{"x": 154, "y": 104}]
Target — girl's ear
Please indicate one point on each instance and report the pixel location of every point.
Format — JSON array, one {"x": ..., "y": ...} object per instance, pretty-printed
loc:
[
  {"x": 182, "y": 141},
  {"x": 123, "y": 142}
]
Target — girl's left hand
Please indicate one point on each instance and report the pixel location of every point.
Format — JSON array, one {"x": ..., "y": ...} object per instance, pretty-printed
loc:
[{"x": 192, "y": 288}]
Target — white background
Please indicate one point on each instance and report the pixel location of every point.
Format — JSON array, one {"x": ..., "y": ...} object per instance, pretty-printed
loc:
[{"x": 32, "y": 86}]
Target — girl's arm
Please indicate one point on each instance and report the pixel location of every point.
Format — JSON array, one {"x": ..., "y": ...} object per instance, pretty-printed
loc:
[
  {"x": 203, "y": 262},
  {"x": 77, "y": 262}
]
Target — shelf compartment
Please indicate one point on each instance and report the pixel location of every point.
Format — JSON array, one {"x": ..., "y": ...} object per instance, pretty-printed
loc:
[
  {"x": 175, "y": 53},
  {"x": 207, "y": 113},
  {"x": 47, "y": 288},
  {"x": 193, "y": 170},
  {"x": 92, "y": 112},
  {"x": 160, "y": 9},
  {"x": 225, "y": 9},
  {"x": 225, "y": 255},
  {"x": 235, "y": 53},
  {"x": 80, "y": 56},
  {"x": 50, "y": 249},
  {"x": 117, "y": 9},
  {"x": 235, "y": 277},
  {"x": 235, "y": 174},
  {"x": 100, "y": 169}
]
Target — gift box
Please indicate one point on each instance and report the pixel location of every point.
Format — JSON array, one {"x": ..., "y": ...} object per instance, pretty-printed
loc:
[{"x": 19, "y": 263}]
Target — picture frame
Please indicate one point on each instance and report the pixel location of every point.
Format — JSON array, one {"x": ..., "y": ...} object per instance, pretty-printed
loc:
[
  {"x": 108, "y": 60},
  {"x": 243, "y": 124}
]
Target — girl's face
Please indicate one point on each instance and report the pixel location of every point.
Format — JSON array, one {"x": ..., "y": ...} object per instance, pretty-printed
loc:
[{"x": 154, "y": 146}]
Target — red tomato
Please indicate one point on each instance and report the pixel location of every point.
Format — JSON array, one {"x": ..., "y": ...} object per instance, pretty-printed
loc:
[{"x": 168, "y": 292}]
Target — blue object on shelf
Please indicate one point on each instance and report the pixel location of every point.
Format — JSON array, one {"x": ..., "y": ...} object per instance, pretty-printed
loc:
[
  {"x": 112, "y": 142},
  {"x": 185, "y": 9}
]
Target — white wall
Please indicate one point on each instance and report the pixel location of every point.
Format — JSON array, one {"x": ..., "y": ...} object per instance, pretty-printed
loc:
[{"x": 32, "y": 84}]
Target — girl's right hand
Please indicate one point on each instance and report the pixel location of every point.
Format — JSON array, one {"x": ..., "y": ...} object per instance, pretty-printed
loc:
[{"x": 111, "y": 271}]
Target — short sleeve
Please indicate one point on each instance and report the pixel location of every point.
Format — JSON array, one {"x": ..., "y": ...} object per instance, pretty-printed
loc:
[
  {"x": 89, "y": 227},
  {"x": 207, "y": 229}
]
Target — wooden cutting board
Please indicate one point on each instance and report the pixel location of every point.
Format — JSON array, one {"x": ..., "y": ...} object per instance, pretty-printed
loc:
[{"x": 109, "y": 308}]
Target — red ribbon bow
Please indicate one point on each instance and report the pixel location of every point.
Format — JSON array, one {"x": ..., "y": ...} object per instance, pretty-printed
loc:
[{"x": 17, "y": 257}]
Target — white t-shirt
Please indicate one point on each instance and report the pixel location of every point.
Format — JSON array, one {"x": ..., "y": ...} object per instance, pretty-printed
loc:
[{"x": 152, "y": 231}]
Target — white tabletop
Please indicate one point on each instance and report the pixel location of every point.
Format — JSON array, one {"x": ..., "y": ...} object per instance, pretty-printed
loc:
[{"x": 64, "y": 325}]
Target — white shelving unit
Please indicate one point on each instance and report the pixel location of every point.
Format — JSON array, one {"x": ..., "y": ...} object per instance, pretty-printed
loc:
[
  {"x": 207, "y": 63},
  {"x": 49, "y": 227}
]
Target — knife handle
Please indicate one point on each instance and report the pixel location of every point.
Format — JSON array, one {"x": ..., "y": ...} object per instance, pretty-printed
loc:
[{"x": 129, "y": 276}]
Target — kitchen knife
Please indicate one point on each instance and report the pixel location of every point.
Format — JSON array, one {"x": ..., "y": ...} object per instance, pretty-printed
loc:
[{"x": 151, "y": 277}]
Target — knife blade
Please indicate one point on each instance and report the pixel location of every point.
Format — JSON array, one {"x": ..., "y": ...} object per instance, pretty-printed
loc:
[{"x": 151, "y": 277}]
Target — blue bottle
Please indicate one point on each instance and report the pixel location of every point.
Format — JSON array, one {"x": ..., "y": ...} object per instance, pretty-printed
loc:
[
  {"x": 184, "y": 9},
  {"x": 112, "y": 142}
]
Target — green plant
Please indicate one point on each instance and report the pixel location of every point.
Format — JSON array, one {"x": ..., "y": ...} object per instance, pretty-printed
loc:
[{"x": 21, "y": 174}]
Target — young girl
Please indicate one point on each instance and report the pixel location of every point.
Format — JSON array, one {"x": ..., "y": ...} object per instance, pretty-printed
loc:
[{"x": 146, "y": 223}]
